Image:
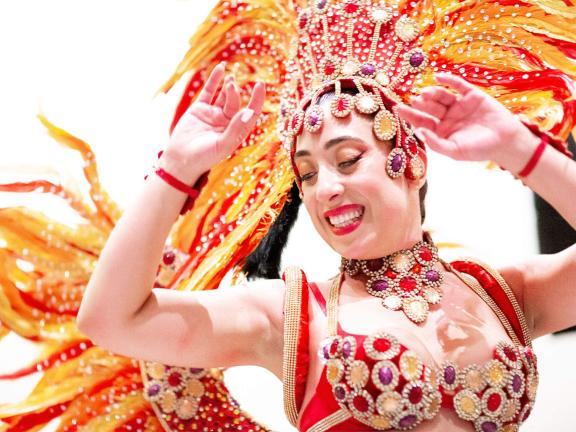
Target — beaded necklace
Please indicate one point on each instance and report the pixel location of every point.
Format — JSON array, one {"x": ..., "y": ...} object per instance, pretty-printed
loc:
[{"x": 406, "y": 280}]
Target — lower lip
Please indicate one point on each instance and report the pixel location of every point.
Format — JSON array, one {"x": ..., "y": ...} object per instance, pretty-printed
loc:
[{"x": 348, "y": 228}]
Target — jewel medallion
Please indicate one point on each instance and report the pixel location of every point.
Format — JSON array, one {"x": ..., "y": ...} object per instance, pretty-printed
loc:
[
  {"x": 334, "y": 371},
  {"x": 416, "y": 308},
  {"x": 473, "y": 379},
  {"x": 384, "y": 125},
  {"x": 381, "y": 15},
  {"x": 366, "y": 104},
  {"x": 389, "y": 403},
  {"x": 381, "y": 346},
  {"x": 342, "y": 105},
  {"x": 385, "y": 375},
  {"x": 411, "y": 367},
  {"x": 467, "y": 405},
  {"x": 393, "y": 302},
  {"x": 396, "y": 164},
  {"x": 357, "y": 374},
  {"x": 406, "y": 29},
  {"x": 313, "y": 119}
]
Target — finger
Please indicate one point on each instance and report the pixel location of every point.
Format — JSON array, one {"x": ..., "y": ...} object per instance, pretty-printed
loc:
[
  {"x": 257, "y": 97},
  {"x": 417, "y": 118},
  {"x": 440, "y": 95},
  {"x": 459, "y": 84},
  {"x": 212, "y": 83},
  {"x": 232, "y": 104},
  {"x": 440, "y": 145},
  {"x": 431, "y": 107},
  {"x": 221, "y": 99},
  {"x": 244, "y": 120}
]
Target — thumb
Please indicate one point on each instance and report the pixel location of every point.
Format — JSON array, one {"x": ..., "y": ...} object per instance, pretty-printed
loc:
[{"x": 238, "y": 129}]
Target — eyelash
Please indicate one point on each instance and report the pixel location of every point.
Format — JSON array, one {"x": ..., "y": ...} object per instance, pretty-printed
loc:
[{"x": 346, "y": 164}]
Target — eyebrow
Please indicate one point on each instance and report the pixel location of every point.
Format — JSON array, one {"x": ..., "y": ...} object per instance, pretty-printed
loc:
[{"x": 329, "y": 144}]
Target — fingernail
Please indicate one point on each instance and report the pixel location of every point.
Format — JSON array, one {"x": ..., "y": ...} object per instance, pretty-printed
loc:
[{"x": 247, "y": 115}]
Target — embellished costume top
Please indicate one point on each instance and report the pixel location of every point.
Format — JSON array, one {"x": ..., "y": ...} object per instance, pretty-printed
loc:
[{"x": 373, "y": 382}]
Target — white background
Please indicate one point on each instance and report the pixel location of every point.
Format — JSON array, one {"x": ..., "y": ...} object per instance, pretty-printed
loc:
[{"x": 94, "y": 69}]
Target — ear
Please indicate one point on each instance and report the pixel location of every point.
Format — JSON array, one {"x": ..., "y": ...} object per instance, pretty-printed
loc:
[{"x": 416, "y": 168}]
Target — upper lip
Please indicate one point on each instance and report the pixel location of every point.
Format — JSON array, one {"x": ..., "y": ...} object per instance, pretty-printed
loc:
[{"x": 341, "y": 210}]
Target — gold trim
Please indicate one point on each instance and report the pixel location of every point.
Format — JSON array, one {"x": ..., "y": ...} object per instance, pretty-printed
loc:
[
  {"x": 512, "y": 298},
  {"x": 332, "y": 306},
  {"x": 332, "y": 420},
  {"x": 477, "y": 288},
  {"x": 292, "y": 308}
]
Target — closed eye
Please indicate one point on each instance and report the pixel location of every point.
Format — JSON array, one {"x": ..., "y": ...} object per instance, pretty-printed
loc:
[{"x": 348, "y": 163}]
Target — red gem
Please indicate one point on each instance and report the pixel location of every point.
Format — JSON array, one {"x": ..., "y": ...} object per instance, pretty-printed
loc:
[
  {"x": 334, "y": 347},
  {"x": 342, "y": 104},
  {"x": 425, "y": 254},
  {"x": 168, "y": 258},
  {"x": 329, "y": 69},
  {"x": 303, "y": 21},
  {"x": 351, "y": 8},
  {"x": 408, "y": 284},
  {"x": 509, "y": 352},
  {"x": 415, "y": 395},
  {"x": 390, "y": 274},
  {"x": 494, "y": 401},
  {"x": 360, "y": 403},
  {"x": 382, "y": 345},
  {"x": 174, "y": 379}
]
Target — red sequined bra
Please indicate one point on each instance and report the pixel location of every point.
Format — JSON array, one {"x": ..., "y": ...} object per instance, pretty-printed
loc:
[{"x": 375, "y": 383}]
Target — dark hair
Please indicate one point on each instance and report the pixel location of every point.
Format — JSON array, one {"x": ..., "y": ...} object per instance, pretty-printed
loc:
[{"x": 264, "y": 262}]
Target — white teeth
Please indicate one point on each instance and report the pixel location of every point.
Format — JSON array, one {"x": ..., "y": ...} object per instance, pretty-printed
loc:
[{"x": 345, "y": 219}]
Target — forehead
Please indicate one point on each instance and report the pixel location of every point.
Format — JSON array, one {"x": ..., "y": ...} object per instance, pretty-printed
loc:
[{"x": 353, "y": 127}]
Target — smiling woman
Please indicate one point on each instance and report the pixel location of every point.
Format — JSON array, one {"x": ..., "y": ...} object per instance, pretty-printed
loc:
[{"x": 286, "y": 99}]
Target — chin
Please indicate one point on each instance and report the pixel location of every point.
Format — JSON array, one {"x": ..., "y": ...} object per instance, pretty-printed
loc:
[{"x": 359, "y": 249}]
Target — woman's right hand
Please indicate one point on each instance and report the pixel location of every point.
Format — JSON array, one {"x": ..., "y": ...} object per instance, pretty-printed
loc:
[{"x": 212, "y": 128}]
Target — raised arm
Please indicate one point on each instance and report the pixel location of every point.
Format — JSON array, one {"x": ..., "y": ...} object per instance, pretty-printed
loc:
[
  {"x": 467, "y": 124},
  {"x": 121, "y": 312}
]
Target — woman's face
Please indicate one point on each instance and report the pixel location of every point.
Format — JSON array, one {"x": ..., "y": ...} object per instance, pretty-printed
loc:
[{"x": 355, "y": 206}]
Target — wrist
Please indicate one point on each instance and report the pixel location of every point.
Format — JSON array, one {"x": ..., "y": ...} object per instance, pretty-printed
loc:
[
  {"x": 520, "y": 153},
  {"x": 179, "y": 168}
]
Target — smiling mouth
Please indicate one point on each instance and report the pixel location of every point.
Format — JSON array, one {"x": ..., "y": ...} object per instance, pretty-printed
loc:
[{"x": 346, "y": 219}]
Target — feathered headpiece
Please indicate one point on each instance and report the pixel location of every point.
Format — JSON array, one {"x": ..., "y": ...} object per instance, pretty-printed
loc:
[{"x": 521, "y": 52}]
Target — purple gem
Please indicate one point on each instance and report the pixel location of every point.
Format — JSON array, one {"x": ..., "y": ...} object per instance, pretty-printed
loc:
[
  {"x": 196, "y": 370},
  {"x": 385, "y": 375},
  {"x": 416, "y": 59},
  {"x": 516, "y": 384},
  {"x": 449, "y": 375},
  {"x": 326, "y": 352},
  {"x": 432, "y": 276},
  {"x": 340, "y": 393},
  {"x": 368, "y": 69},
  {"x": 154, "y": 389},
  {"x": 321, "y": 4},
  {"x": 489, "y": 426},
  {"x": 408, "y": 421},
  {"x": 396, "y": 163},
  {"x": 313, "y": 119},
  {"x": 380, "y": 285},
  {"x": 346, "y": 349}
]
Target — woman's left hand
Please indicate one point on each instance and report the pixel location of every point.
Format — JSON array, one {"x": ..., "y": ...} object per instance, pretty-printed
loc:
[{"x": 468, "y": 124}]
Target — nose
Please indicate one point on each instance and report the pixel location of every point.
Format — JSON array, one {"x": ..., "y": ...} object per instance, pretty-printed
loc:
[{"x": 329, "y": 186}]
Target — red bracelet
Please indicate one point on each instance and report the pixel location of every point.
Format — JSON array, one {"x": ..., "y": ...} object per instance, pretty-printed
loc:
[
  {"x": 535, "y": 157},
  {"x": 177, "y": 184}
]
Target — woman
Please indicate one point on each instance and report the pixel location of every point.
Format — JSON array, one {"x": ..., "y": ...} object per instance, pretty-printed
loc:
[{"x": 362, "y": 213}]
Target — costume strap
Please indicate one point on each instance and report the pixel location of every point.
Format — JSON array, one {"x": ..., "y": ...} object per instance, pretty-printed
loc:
[
  {"x": 296, "y": 341},
  {"x": 318, "y": 296},
  {"x": 496, "y": 292}
]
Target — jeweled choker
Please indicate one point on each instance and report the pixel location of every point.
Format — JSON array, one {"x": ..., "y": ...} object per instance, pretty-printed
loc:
[{"x": 406, "y": 280}]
